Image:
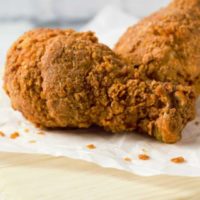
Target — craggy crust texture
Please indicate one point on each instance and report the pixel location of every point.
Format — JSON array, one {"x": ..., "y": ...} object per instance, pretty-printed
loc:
[
  {"x": 83, "y": 70},
  {"x": 23, "y": 80},
  {"x": 95, "y": 86},
  {"x": 77, "y": 82},
  {"x": 166, "y": 45}
]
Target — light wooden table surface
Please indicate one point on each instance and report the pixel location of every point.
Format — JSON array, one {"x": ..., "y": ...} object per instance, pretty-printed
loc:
[{"x": 38, "y": 177}]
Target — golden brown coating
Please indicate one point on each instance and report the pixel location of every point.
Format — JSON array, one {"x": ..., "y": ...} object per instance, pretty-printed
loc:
[
  {"x": 70, "y": 62},
  {"x": 23, "y": 80},
  {"x": 166, "y": 45},
  {"x": 78, "y": 82}
]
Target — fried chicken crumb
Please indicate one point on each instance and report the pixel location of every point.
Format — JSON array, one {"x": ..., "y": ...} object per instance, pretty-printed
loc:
[
  {"x": 40, "y": 133},
  {"x": 196, "y": 123},
  {"x": 14, "y": 135},
  {"x": 32, "y": 141},
  {"x": 178, "y": 160},
  {"x": 26, "y": 130},
  {"x": 127, "y": 159},
  {"x": 143, "y": 157},
  {"x": 91, "y": 146},
  {"x": 2, "y": 134}
]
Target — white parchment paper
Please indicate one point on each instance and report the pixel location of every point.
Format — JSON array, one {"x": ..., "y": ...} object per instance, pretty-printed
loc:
[{"x": 111, "y": 149}]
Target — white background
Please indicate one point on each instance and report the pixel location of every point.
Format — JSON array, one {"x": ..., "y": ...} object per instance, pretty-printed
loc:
[{"x": 71, "y": 9}]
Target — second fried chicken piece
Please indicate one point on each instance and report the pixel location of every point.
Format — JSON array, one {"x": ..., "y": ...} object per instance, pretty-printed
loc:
[
  {"x": 83, "y": 82},
  {"x": 166, "y": 45}
]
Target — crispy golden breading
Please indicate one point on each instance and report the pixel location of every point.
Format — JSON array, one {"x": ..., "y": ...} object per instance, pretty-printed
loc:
[
  {"x": 166, "y": 45},
  {"x": 23, "y": 80},
  {"x": 71, "y": 80}
]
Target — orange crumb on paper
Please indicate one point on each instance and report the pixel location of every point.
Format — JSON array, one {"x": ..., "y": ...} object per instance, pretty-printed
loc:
[
  {"x": 178, "y": 160},
  {"x": 2, "y": 134},
  {"x": 143, "y": 157},
  {"x": 14, "y": 135},
  {"x": 127, "y": 159},
  {"x": 91, "y": 146},
  {"x": 26, "y": 130},
  {"x": 40, "y": 132},
  {"x": 32, "y": 141}
]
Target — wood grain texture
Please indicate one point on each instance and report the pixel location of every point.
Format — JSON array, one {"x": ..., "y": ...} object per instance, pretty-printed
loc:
[{"x": 36, "y": 177}]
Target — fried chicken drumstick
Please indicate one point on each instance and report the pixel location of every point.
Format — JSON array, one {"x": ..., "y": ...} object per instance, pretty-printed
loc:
[
  {"x": 166, "y": 45},
  {"x": 61, "y": 78}
]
